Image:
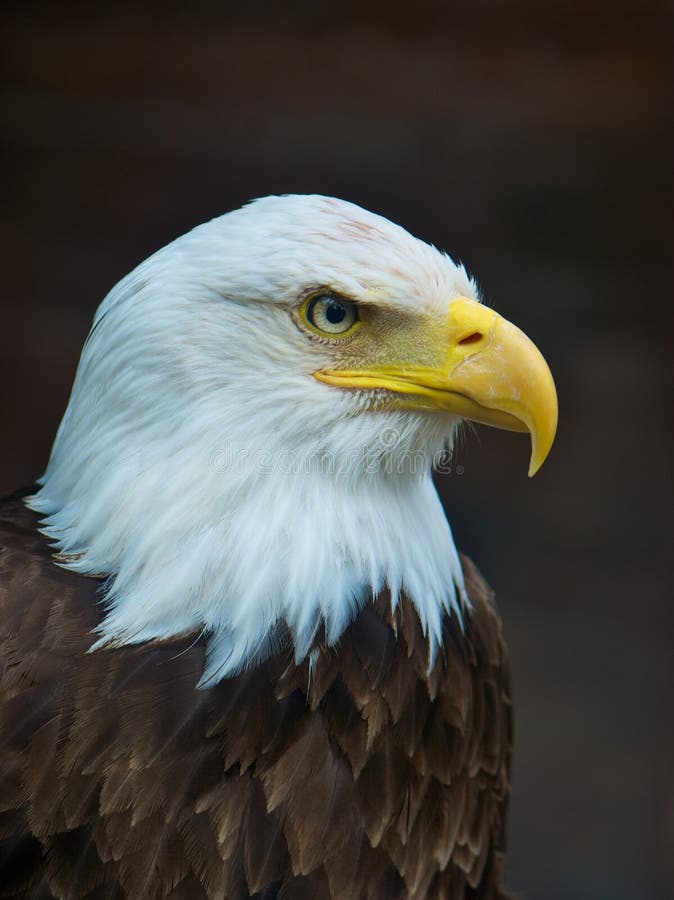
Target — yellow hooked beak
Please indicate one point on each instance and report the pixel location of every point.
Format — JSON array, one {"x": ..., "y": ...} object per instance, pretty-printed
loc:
[{"x": 487, "y": 370}]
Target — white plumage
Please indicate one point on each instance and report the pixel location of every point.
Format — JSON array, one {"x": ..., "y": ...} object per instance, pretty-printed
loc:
[{"x": 213, "y": 503}]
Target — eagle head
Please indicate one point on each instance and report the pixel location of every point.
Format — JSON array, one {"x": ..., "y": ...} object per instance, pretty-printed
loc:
[{"x": 249, "y": 443}]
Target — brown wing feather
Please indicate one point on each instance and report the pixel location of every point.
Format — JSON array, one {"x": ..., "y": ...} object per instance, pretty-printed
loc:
[{"x": 362, "y": 777}]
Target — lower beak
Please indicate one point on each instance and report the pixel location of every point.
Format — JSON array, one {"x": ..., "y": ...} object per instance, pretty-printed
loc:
[{"x": 488, "y": 371}]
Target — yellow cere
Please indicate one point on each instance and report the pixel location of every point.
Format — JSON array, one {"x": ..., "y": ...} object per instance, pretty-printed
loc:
[{"x": 471, "y": 362}]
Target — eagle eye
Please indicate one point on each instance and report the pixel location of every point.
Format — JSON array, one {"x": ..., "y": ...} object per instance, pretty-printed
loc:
[{"x": 329, "y": 314}]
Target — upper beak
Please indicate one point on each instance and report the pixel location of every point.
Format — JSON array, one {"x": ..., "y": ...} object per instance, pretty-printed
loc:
[{"x": 487, "y": 370}]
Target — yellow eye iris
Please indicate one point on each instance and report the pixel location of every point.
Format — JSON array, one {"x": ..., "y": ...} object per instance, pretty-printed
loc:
[{"x": 330, "y": 315}]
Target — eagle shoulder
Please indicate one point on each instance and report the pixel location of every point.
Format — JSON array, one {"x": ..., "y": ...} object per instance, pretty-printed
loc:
[{"x": 358, "y": 773}]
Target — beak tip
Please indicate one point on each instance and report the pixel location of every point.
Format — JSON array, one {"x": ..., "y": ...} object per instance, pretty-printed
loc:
[{"x": 540, "y": 453}]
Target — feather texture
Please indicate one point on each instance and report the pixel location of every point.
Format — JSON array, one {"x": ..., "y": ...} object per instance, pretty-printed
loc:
[
  {"x": 197, "y": 444},
  {"x": 355, "y": 775}
]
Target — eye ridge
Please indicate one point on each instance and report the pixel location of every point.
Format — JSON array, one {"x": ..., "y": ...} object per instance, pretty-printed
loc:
[{"x": 331, "y": 314}]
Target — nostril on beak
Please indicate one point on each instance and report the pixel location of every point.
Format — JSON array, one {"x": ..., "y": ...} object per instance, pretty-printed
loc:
[{"x": 471, "y": 338}]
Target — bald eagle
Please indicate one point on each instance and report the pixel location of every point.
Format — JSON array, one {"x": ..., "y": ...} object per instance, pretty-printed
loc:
[{"x": 240, "y": 654}]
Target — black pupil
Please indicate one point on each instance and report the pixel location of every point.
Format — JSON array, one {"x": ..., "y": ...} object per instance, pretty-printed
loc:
[{"x": 334, "y": 312}]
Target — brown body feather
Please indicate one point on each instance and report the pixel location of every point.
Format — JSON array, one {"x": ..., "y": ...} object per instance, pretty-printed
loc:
[{"x": 364, "y": 778}]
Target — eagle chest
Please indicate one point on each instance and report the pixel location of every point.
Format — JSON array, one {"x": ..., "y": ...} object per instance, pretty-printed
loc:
[{"x": 357, "y": 774}]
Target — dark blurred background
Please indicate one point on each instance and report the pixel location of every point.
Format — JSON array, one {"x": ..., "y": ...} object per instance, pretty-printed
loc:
[{"x": 528, "y": 139}]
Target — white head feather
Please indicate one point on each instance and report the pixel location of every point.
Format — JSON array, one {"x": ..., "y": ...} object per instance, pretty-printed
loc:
[{"x": 212, "y": 480}]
